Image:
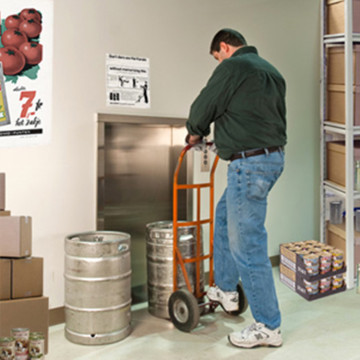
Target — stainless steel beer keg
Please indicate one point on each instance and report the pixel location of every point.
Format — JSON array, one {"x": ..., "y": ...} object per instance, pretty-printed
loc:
[
  {"x": 159, "y": 245},
  {"x": 97, "y": 287}
]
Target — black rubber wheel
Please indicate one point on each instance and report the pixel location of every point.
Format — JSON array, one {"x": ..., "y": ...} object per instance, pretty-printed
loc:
[
  {"x": 184, "y": 310},
  {"x": 243, "y": 303}
]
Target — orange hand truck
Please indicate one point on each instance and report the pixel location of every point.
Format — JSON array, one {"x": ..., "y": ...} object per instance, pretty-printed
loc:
[{"x": 185, "y": 305}]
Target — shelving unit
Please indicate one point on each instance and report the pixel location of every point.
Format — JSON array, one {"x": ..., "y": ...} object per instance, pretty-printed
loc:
[{"x": 335, "y": 131}]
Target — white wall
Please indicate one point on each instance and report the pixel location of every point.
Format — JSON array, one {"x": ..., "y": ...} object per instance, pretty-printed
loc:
[{"x": 55, "y": 184}]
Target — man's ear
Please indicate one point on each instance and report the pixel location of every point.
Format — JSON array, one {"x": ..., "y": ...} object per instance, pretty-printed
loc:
[{"x": 224, "y": 46}]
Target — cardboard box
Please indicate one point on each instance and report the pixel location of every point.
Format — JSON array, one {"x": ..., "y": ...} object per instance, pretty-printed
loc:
[
  {"x": 336, "y": 16},
  {"x": 336, "y": 236},
  {"x": 2, "y": 191},
  {"x": 336, "y": 65},
  {"x": 5, "y": 279},
  {"x": 335, "y": 104},
  {"x": 335, "y": 160},
  {"x": 32, "y": 313},
  {"x": 5, "y": 213},
  {"x": 26, "y": 277},
  {"x": 295, "y": 263},
  {"x": 296, "y": 283},
  {"x": 15, "y": 236}
]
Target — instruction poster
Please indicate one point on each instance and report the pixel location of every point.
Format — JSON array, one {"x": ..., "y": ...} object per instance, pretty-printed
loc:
[
  {"x": 127, "y": 81},
  {"x": 26, "y": 72}
]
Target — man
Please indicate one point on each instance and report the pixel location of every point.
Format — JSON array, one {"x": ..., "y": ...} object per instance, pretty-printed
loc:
[{"x": 245, "y": 98}]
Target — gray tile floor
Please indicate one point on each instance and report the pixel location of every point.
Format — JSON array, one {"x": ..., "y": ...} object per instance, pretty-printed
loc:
[{"x": 327, "y": 328}]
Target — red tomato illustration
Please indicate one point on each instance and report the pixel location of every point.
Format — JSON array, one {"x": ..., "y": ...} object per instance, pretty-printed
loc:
[
  {"x": 32, "y": 52},
  {"x": 28, "y": 14},
  {"x": 13, "y": 37},
  {"x": 13, "y": 22},
  {"x": 12, "y": 59},
  {"x": 31, "y": 28}
]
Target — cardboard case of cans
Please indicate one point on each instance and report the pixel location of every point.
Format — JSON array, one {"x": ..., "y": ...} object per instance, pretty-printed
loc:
[{"x": 312, "y": 269}]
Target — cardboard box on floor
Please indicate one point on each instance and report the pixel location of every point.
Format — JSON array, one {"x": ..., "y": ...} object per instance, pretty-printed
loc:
[
  {"x": 26, "y": 277},
  {"x": 5, "y": 279},
  {"x": 15, "y": 236},
  {"x": 293, "y": 273},
  {"x": 295, "y": 282},
  {"x": 32, "y": 313}
]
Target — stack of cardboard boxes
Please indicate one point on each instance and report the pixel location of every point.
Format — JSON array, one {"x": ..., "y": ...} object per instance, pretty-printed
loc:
[
  {"x": 22, "y": 304},
  {"x": 335, "y": 83},
  {"x": 312, "y": 269}
]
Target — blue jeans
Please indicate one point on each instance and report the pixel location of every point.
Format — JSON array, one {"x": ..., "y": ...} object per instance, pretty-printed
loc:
[{"x": 240, "y": 238}]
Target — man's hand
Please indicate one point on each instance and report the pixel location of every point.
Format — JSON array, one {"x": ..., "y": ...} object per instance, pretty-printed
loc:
[{"x": 193, "y": 139}]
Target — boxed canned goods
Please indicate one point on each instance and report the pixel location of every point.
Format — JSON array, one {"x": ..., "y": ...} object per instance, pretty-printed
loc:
[
  {"x": 312, "y": 259},
  {"x": 20, "y": 317},
  {"x": 312, "y": 269},
  {"x": 336, "y": 236},
  {"x": 312, "y": 289}
]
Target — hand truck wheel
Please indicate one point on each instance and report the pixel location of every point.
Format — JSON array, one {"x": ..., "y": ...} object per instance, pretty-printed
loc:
[
  {"x": 184, "y": 310},
  {"x": 243, "y": 303}
]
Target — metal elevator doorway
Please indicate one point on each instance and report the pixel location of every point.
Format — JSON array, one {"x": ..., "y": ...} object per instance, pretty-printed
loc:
[{"x": 136, "y": 161}]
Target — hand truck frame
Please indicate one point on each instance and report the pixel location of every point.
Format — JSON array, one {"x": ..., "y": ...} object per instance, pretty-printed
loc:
[{"x": 186, "y": 305}]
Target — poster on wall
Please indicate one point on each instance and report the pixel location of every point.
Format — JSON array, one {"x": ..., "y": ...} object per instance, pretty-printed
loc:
[
  {"x": 26, "y": 72},
  {"x": 127, "y": 81}
]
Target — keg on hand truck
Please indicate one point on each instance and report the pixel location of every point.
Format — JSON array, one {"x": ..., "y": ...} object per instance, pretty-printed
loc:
[{"x": 185, "y": 306}]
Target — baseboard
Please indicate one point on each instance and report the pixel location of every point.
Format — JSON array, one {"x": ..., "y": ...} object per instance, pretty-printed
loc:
[
  {"x": 275, "y": 260},
  {"x": 57, "y": 315}
]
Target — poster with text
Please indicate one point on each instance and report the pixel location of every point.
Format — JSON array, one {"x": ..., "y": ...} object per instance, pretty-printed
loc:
[
  {"x": 26, "y": 78},
  {"x": 127, "y": 81}
]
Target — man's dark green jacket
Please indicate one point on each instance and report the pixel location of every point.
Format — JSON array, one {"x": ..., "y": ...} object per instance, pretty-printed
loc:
[{"x": 245, "y": 98}]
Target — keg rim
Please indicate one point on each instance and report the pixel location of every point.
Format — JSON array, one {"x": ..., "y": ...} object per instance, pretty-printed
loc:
[
  {"x": 169, "y": 223},
  {"x": 122, "y": 236}
]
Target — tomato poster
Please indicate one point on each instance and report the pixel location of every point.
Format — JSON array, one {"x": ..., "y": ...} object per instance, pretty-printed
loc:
[
  {"x": 26, "y": 71},
  {"x": 127, "y": 81}
]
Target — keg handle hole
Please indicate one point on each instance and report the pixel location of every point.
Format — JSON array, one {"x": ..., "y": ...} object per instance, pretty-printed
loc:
[
  {"x": 92, "y": 335},
  {"x": 122, "y": 247},
  {"x": 98, "y": 238}
]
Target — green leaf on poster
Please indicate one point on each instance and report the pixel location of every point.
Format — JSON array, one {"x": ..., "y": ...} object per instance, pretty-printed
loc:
[{"x": 31, "y": 73}]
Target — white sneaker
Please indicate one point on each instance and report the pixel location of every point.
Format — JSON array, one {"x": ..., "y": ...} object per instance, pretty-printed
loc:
[
  {"x": 229, "y": 300},
  {"x": 256, "y": 334}
]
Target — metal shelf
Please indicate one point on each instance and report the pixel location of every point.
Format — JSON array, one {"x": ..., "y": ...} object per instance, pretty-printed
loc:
[
  {"x": 340, "y": 38},
  {"x": 339, "y": 190},
  {"x": 347, "y": 130},
  {"x": 340, "y": 128}
]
